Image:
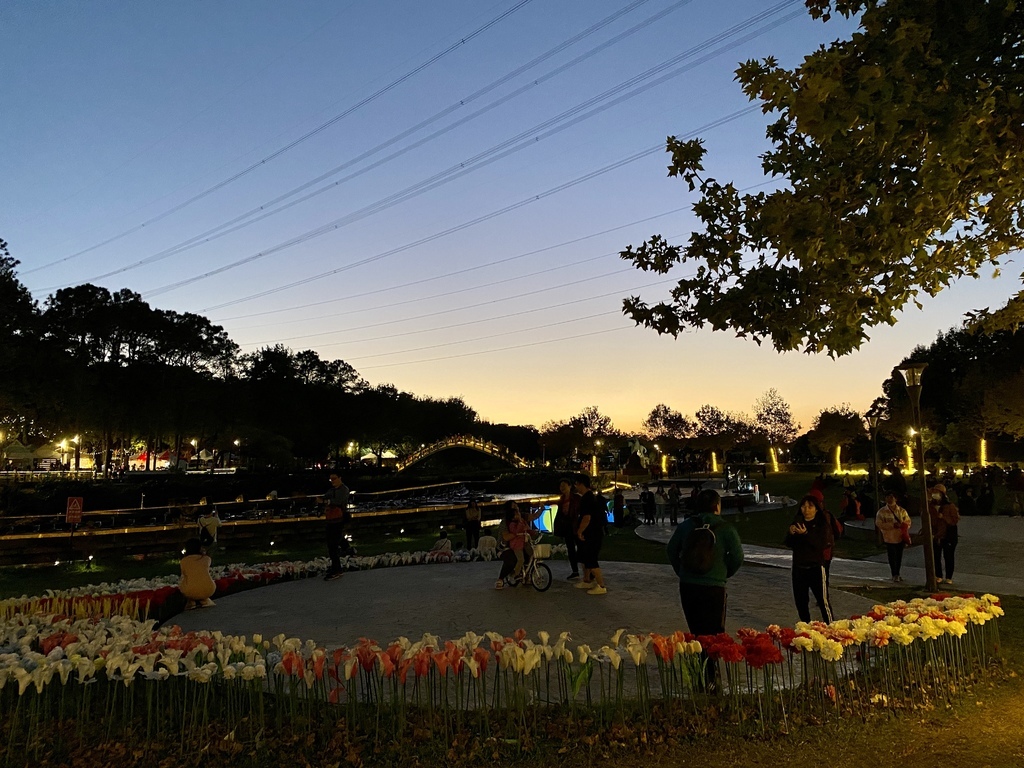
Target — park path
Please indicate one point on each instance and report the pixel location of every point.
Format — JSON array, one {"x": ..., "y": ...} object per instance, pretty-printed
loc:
[{"x": 989, "y": 558}]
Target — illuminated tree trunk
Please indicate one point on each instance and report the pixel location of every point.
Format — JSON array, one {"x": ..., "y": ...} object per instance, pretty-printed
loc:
[
  {"x": 774, "y": 458},
  {"x": 839, "y": 466}
]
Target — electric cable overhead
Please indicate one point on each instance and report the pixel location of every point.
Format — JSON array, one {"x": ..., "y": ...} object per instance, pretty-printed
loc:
[
  {"x": 447, "y": 275},
  {"x": 463, "y": 308},
  {"x": 261, "y": 211},
  {"x": 508, "y": 147},
  {"x": 301, "y": 139},
  {"x": 267, "y": 209},
  {"x": 214, "y": 102},
  {"x": 459, "y": 227}
]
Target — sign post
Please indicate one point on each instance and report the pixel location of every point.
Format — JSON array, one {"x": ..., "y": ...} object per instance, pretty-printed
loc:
[{"x": 73, "y": 516}]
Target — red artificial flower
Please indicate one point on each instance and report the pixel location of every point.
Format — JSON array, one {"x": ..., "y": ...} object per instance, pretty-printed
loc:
[
  {"x": 481, "y": 656},
  {"x": 664, "y": 648},
  {"x": 441, "y": 660},
  {"x": 293, "y": 663}
]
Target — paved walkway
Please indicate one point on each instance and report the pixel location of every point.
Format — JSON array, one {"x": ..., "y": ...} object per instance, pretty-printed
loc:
[
  {"x": 450, "y": 599},
  {"x": 988, "y": 558}
]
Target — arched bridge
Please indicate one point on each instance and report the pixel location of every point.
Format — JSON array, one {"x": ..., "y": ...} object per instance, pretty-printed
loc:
[{"x": 462, "y": 441}]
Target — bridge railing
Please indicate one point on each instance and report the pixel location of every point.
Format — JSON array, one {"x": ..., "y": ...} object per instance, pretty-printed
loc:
[{"x": 476, "y": 443}]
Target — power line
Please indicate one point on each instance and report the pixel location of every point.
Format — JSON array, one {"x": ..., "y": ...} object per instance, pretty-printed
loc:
[
  {"x": 296, "y": 142},
  {"x": 446, "y": 275},
  {"x": 261, "y": 212},
  {"x": 497, "y": 349},
  {"x": 488, "y": 303},
  {"x": 214, "y": 103},
  {"x": 451, "y": 230},
  {"x": 462, "y": 169}
]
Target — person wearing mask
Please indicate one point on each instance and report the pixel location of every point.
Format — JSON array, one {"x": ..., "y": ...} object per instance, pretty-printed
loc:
[
  {"x": 893, "y": 524},
  {"x": 945, "y": 519},
  {"x": 810, "y": 537}
]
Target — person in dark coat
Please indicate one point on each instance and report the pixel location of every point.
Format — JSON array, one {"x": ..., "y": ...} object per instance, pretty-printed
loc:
[{"x": 811, "y": 539}]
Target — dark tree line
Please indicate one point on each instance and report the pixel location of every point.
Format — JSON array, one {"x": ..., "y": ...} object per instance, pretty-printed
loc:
[{"x": 123, "y": 376}]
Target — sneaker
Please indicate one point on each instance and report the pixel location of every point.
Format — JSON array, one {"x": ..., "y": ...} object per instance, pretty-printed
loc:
[
  {"x": 597, "y": 590},
  {"x": 572, "y": 576},
  {"x": 207, "y": 603},
  {"x": 332, "y": 575},
  {"x": 583, "y": 585},
  {"x": 939, "y": 580},
  {"x": 499, "y": 584},
  {"x": 898, "y": 579},
  {"x": 949, "y": 581}
]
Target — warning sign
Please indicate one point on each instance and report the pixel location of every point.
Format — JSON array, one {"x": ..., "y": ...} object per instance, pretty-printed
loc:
[{"x": 74, "y": 513}]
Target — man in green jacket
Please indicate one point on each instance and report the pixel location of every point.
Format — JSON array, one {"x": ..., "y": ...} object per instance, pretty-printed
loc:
[{"x": 705, "y": 551}]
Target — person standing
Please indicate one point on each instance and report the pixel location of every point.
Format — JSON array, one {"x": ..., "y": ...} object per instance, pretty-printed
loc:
[
  {"x": 893, "y": 523},
  {"x": 702, "y": 592},
  {"x": 565, "y": 524},
  {"x": 590, "y": 532},
  {"x": 705, "y": 552},
  {"x": 472, "y": 524},
  {"x": 810, "y": 537},
  {"x": 618, "y": 507},
  {"x": 660, "y": 505},
  {"x": 674, "y": 495},
  {"x": 335, "y": 501},
  {"x": 945, "y": 531},
  {"x": 647, "y": 505}
]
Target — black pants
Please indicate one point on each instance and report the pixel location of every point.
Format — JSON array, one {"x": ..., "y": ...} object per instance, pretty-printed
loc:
[
  {"x": 811, "y": 579},
  {"x": 472, "y": 534},
  {"x": 704, "y": 609},
  {"x": 895, "y": 553},
  {"x": 673, "y": 512},
  {"x": 571, "y": 551},
  {"x": 335, "y": 537},
  {"x": 945, "y": 548}
]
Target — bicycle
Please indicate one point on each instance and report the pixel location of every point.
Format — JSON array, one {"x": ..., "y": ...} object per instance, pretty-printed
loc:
[{"x": 535, "y": 572}]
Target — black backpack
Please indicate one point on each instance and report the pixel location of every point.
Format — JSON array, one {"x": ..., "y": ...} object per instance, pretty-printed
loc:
[{"x": 698, "y": 556}]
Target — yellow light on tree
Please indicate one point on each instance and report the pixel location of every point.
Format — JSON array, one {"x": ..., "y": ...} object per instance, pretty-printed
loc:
[
  {"x": 839, "y": 465},
  {"x": 714, "y": 463},
  {"x": 983, "y": 452},
  {"x": 910, "y": 459},
  {"x": 593, "y": 465},
  {"x": 664, "y": 464},
  {"x": 774, "y": 458}
]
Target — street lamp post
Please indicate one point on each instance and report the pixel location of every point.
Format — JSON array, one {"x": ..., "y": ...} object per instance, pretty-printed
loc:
[
  {"x": 912, "y": 374},
  {"x": 873, "y": 428}
]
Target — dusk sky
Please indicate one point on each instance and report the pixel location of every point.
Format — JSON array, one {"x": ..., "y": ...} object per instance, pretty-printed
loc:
[{"x": 434, "y": 192}]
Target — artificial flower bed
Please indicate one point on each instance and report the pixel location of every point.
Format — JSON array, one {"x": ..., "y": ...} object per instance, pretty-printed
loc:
[
  {"x": 159, "y": 597},
  {"x": 63, "y": 677}
]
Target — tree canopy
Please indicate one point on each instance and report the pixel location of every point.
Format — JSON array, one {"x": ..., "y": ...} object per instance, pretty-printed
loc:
[{"x": 900, "y": 162}]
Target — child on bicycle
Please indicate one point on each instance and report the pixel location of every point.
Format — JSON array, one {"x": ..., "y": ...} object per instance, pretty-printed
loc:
[{"x": 519, "y": 532}]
